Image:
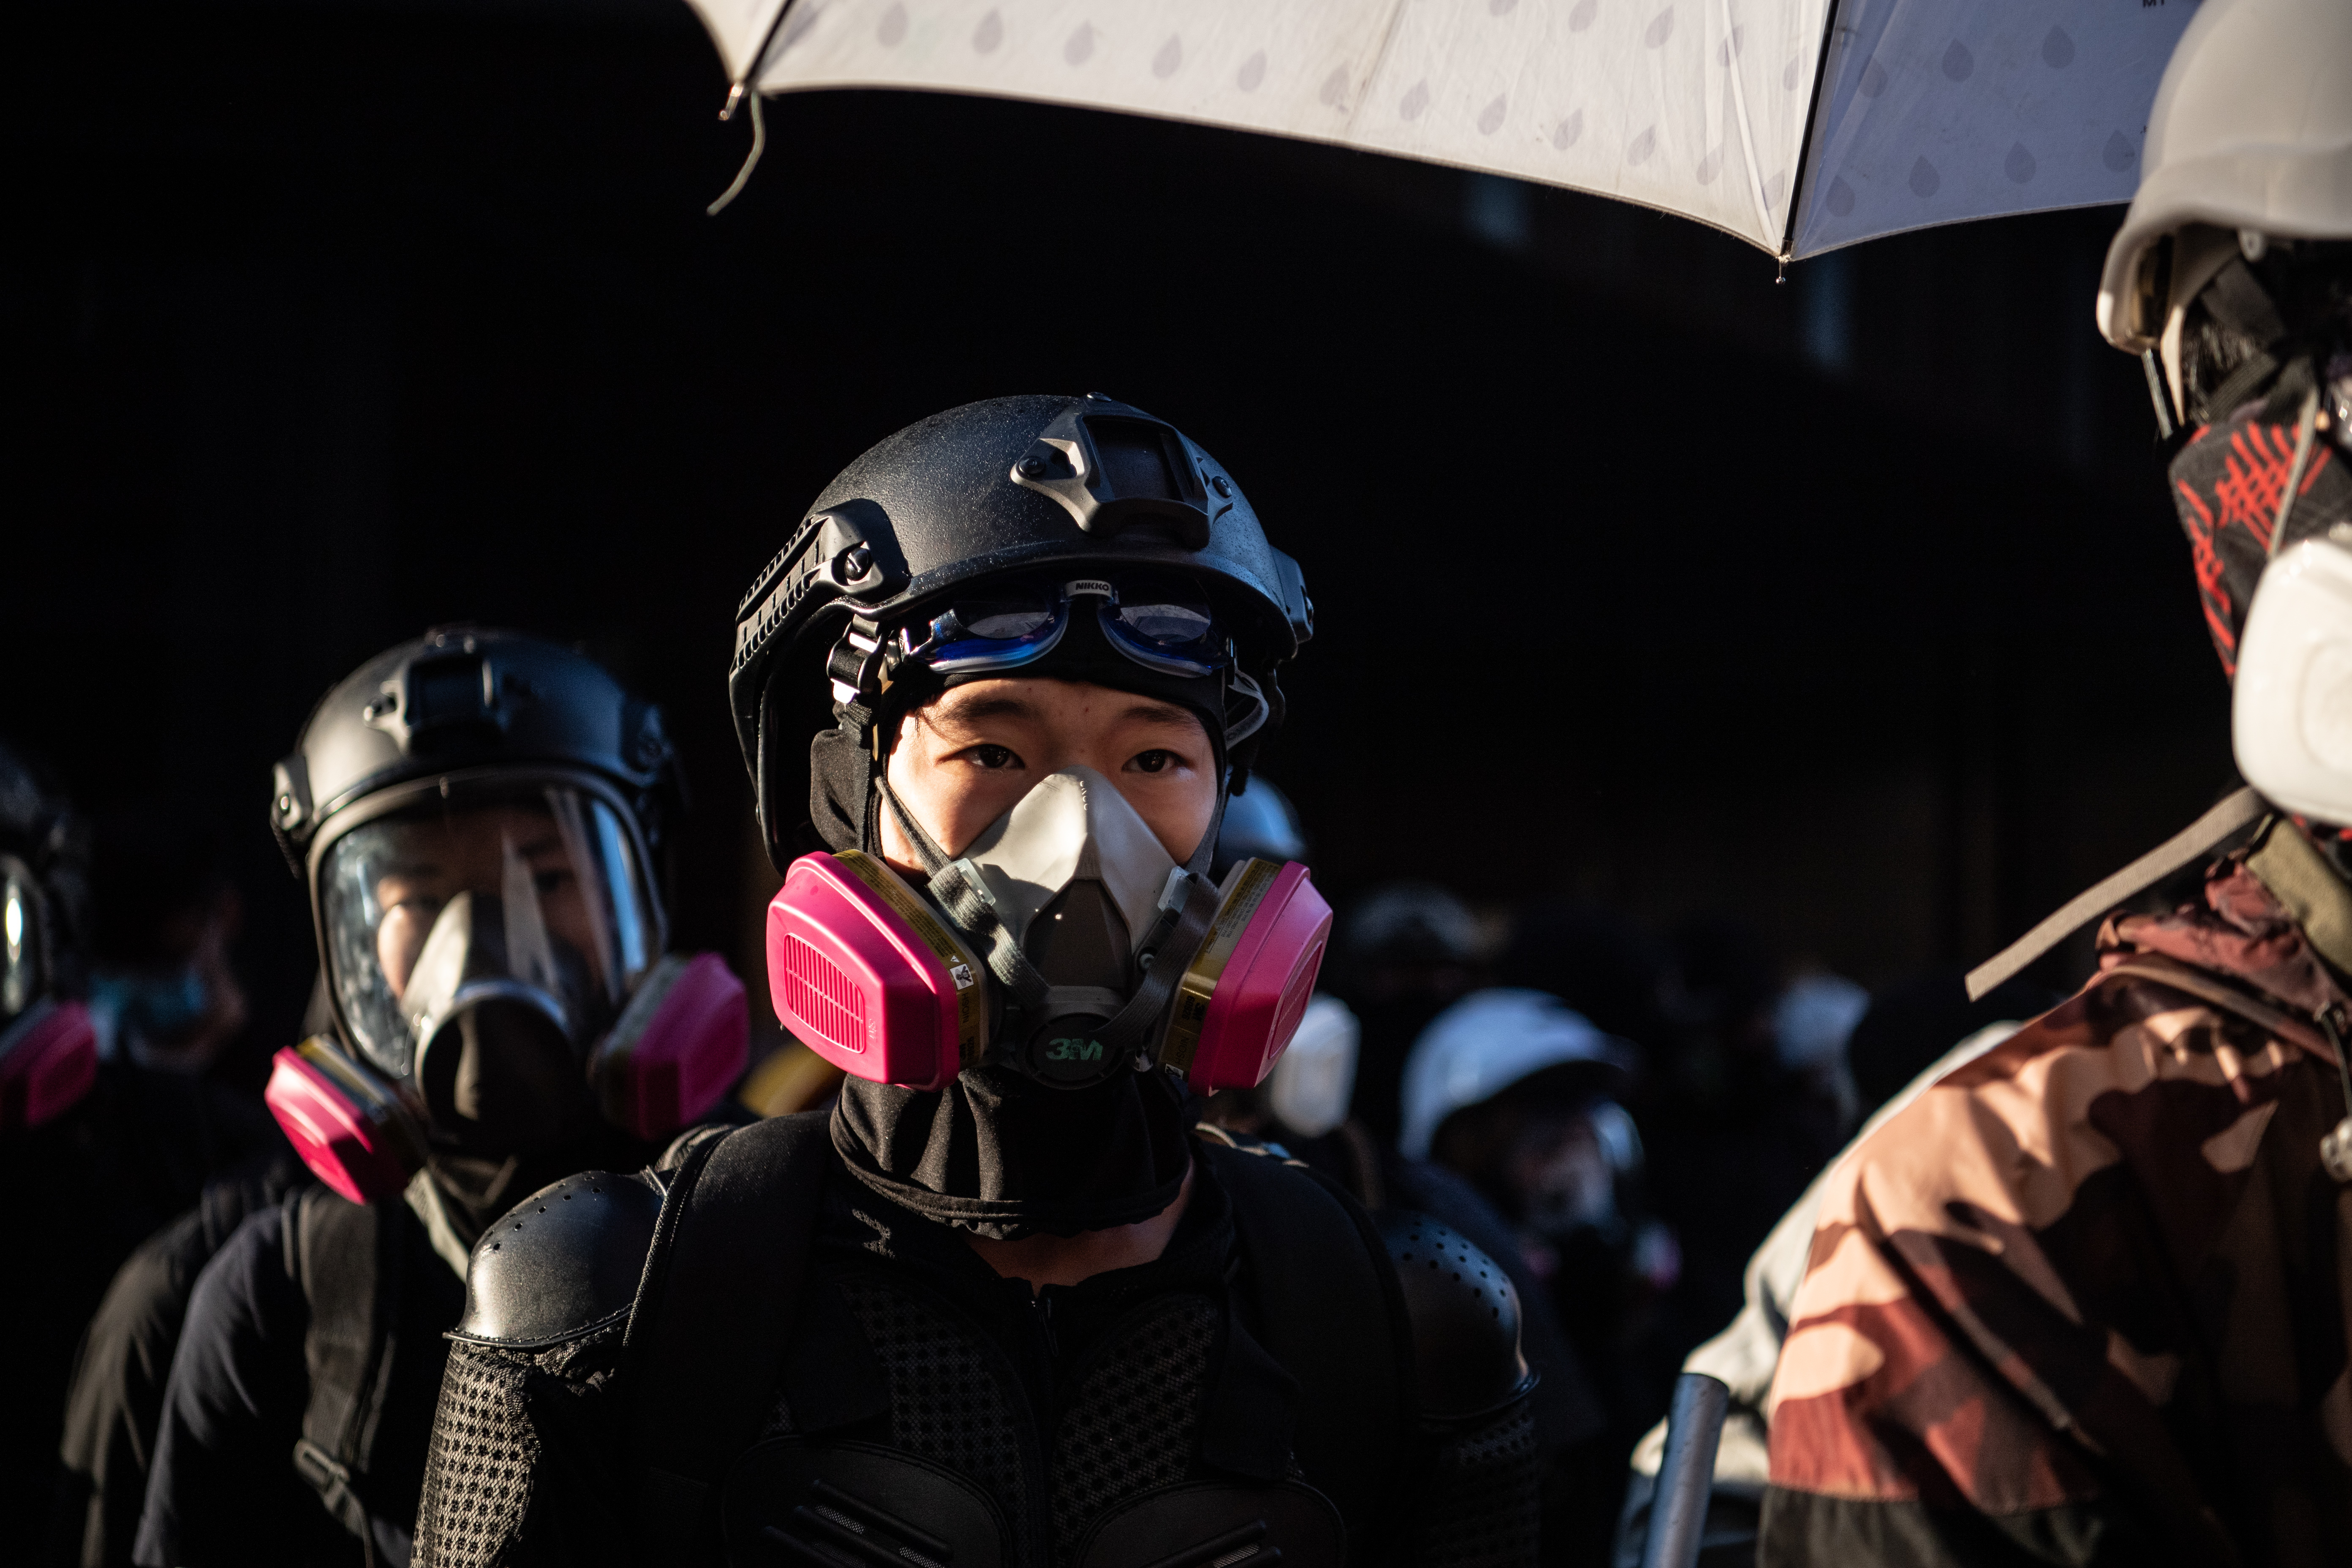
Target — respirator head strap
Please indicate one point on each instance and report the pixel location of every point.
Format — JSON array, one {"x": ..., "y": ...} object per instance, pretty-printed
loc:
[
  {"x": 1167, "y": 953},
  {"x": 965, "y": 901},
  {"x": 1166, "y": 962}
]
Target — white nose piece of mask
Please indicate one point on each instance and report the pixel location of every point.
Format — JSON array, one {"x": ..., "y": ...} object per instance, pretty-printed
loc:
[{"x": 1074, "y": 826}]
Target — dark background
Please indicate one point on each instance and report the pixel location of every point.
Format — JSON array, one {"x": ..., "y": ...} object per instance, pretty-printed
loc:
[{"x": 1851, "y": 605}]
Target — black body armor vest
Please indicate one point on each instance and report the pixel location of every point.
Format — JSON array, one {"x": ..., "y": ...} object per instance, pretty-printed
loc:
[{"x": 797, "y": 1381}]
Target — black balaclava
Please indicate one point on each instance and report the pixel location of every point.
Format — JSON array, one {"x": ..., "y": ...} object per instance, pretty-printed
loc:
[{"x": 995, "y": 1152}]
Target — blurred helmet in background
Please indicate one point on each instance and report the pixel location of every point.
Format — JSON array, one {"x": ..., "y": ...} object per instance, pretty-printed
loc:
[{"x": 48, "y": 1050}]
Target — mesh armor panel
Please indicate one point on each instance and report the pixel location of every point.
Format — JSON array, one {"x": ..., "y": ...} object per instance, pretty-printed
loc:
[
  {"x": 478, "y": 1472},
  {"x": 946, "y": 1404},
  {"x": 1483, "y": 1507},
  {"x": 1133, "y": 1423}
]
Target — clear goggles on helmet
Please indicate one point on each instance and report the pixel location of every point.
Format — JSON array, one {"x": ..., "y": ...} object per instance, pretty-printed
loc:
[
  {"x": 526, "y": 893},
  {"x": 1161, "y": 620}
]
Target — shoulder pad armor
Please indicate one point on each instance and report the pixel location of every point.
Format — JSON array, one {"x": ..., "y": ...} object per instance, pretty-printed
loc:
[
  {"x": 1466, "y": 1319},
  {"x": 562, "y": 1263}
]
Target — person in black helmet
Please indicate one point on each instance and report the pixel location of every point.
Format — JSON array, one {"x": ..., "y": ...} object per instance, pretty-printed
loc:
[
  {"x": 112, "y": 1146},
  {"x": 49, "y": 1067},
  {"x": 480, "y": 818},
  {"x": 1010, "y": 1302}
]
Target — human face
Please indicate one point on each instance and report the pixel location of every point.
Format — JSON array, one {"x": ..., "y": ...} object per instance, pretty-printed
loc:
[
  {"x": 964, "y": 758},
  {"x": 556, "y": 901},
  {"x": 438, "y": 858}
]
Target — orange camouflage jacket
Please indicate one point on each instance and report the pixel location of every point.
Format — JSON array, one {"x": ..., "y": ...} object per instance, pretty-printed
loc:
[{"x": 2087, "y": 1300}]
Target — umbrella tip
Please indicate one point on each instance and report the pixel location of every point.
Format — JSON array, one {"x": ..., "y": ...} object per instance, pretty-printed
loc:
[
  {"x": 734, "y": 102},
  {"x": 1782, "y": 276}
]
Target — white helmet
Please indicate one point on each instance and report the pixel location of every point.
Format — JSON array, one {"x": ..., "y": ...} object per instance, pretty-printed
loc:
[
  {"x": 1488, "y": 1041},
  {"x": 2251, "y": 129}
]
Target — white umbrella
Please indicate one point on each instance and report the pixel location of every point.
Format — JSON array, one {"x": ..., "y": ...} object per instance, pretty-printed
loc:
[{"x": 1798, "y": 125}]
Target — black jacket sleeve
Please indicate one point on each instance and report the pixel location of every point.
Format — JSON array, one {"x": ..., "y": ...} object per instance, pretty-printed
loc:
[
  {"x": 222, "y": 1488},
  {"x": 115, "y": 1401}
]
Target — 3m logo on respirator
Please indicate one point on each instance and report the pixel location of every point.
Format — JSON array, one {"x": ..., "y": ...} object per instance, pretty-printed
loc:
[{"x": 1074, "y": 1049}]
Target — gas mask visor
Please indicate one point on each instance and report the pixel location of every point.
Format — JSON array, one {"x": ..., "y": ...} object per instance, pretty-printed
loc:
[{"x": 479, "y": 943}]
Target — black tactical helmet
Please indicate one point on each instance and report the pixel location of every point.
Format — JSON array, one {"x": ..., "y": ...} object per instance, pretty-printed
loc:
[
  {"x": 1068, "y": 485},
  {"x": 459, "y": 715},
  {"x": 44, "y": 890}
]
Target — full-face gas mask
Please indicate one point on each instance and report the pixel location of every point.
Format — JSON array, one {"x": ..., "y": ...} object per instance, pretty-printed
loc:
[
  {"x": 491, "y": 936},
  {"x": 477, "y": 950}
]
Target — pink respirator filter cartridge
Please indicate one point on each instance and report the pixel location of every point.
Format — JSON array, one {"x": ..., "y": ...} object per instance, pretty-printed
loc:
[
  {"x": 1242, "y": 998},
  {"x": 868, "y": 979},
  {"x": 679, "y": 1044},
  {"x": 49, "y": 1063},
  {"x": 351, "y": 1125}
]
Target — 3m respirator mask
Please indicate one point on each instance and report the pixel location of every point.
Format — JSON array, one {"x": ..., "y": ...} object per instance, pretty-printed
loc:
[
  {"x": 1063, "y": 942},
  {"x": 2290, "y": 710}
]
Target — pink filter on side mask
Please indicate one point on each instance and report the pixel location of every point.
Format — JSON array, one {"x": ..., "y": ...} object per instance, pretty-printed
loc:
[
  {"x": 682, "y": 1040},
  {"x": 348, "y": 1125},
  {"x": 49, "y": 1067},
  {"x": 1266, "y": 985},
  {"x": 854, "y": 983}
]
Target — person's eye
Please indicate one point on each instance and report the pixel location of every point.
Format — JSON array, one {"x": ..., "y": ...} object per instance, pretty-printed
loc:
[
  {"x": 1153, "y": 761},
  {"x": 551, "y": 881},
  {"x": 995, "y": 758}
]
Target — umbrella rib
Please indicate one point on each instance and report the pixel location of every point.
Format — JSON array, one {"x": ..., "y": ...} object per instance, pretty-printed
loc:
[
  {"x": 1805, "y": 142},
  {"x": 1746, "y": 132},
  {"x": 1379, "y": 59},
  {"x": 767, "y": 41}
]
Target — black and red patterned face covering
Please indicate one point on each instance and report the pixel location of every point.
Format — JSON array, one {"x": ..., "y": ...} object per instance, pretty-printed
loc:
[{"x": 2227, "y": 485}]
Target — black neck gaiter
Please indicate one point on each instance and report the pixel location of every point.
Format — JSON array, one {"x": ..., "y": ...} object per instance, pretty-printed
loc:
[
  {"x": 476, "y": 1189},
  {"x": 1002, "y": 1157}
]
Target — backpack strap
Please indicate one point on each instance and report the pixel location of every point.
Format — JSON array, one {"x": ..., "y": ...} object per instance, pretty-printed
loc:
[
  {"x": 347, "y": 1258},
  {"x": 1329, "y": 1310},
  {"x": 713, "y": 1317}
]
